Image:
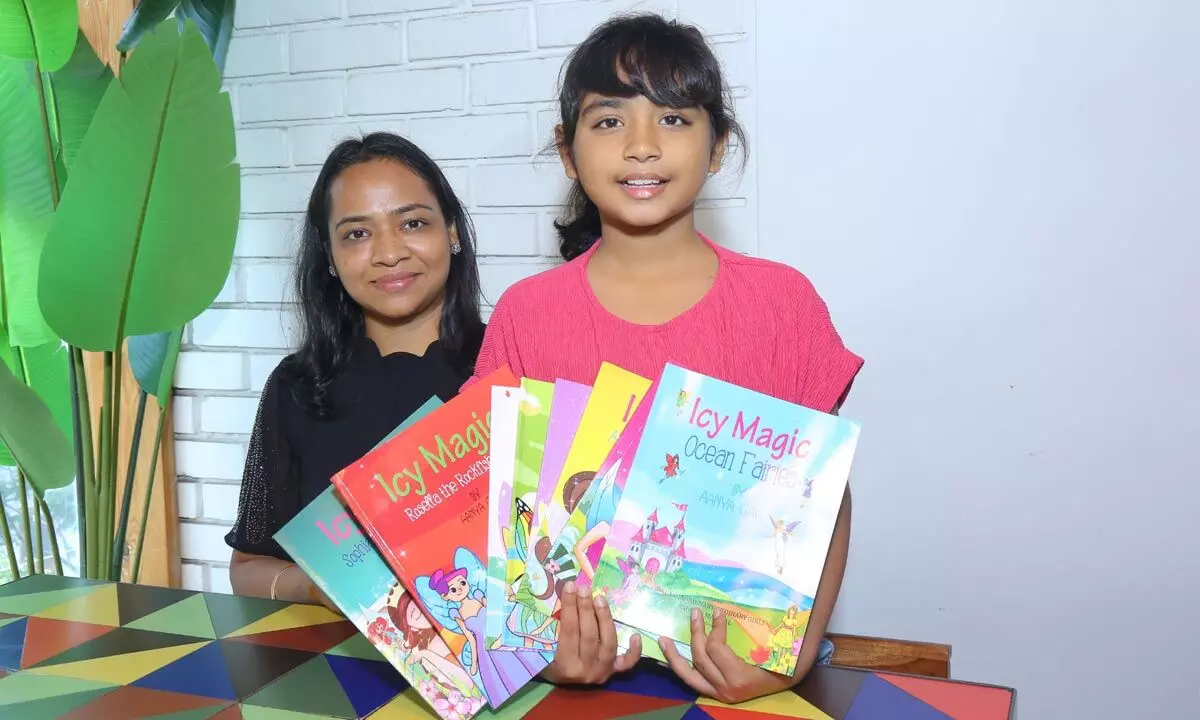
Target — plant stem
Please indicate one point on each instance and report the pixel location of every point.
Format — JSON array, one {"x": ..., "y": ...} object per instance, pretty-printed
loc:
[
  {"x": 40, "y": 558},
  {"x": 53, "y": 537},
  {"x": 141, "y": 528},
  {"x": 55, "y": 188},
  {"x": 118, "y": 553},
  {"x": 115, "y": 459},
  {"x": 104, "y": 488},
  {"x": 8, "y": 543},
  {"x": 79, "y": 404},
  {"x": 26, "y": 536}
]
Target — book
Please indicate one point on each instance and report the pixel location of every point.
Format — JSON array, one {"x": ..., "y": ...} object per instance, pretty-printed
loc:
[
  {"x": 730, "y": 504},
  {"x": 510, "y": 625},
  {"x": 422, "y": 498},
  {"x": 610, "y": 405}
]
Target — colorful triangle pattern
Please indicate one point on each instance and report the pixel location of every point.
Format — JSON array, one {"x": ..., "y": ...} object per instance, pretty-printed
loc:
[{"x": 78, "y": 649}]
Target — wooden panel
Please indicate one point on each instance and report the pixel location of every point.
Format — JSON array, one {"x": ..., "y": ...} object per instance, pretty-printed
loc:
[
  {"x": 102, "y": 22},
  {"x": 886, "y": 654},
  {"x": 160, "y": 552}
]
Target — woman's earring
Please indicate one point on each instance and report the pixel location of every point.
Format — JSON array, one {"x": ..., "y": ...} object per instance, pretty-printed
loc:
[
  {"x": 333, "y": 271},
  {"x": 455, "y": 248}
]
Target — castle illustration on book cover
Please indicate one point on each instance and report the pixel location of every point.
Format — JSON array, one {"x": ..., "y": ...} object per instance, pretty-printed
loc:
[{"x": 730, "y": 504}]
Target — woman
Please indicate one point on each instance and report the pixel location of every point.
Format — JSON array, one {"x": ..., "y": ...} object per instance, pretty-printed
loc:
[{"x": 388, "y": 291}]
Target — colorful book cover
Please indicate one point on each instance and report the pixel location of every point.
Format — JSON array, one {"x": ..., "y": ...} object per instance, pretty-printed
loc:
[
  {"x": 611, "y": 404},
  {"x": 510, "y": 625},
  {"x": 532, "y": 428},
  {"x": 730, "y": 504},
  {"x": 422, "y": 499}
]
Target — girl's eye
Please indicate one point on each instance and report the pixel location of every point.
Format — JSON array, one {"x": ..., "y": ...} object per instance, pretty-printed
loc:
[
  {"x": 675, "y": 120},
  {"x": 607, "y": 123}
]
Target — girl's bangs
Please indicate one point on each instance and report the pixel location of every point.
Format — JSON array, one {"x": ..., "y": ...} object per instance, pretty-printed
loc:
[{"x": 666, "y": 71}]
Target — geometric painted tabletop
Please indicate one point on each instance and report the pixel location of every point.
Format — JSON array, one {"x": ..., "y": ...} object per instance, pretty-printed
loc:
[{"x": 91, "y": 650}]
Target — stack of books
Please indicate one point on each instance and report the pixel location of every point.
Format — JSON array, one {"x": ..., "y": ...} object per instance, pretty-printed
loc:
[{"x": 449, "y": 544}]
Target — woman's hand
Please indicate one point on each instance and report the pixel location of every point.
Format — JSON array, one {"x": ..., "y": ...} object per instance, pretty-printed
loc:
[
  {"x": 587, "y": 642},
  {"x": 716, "y": 671}
]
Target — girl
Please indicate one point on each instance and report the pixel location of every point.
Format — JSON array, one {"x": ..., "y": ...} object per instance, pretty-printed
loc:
[
  {"x": 644, "y": 119},
  {"x": 388, "y": 292}
]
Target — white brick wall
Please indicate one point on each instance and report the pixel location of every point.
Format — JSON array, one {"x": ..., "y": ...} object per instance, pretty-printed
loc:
[{"x": 473, "y": 83}]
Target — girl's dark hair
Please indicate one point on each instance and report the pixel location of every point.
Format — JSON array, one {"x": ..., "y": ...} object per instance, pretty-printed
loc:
[
  {"x": 667, "y": 62},
  {"x": 331, "y": 322}
]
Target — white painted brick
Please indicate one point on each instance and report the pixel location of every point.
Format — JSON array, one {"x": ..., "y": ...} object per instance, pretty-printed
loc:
[
  {"x": 233, "y": 415},
  {"x": 738, "y": 63},
  {"x": 546, "y": 120},
  {"x": 473, "y": 136},
  {"x": 261, "y": 366},
  {"x": 568, "y": 23},
  {"x": 549, "y": 243},
  {"x": 183, "y": 414},
  {"x": 732, "y": 227},
  {"x": 477, "y": 33},
  {"x": 460, "y": 182},
  {"x": 199, "y": 541},
  {"x": 268, "y": 283},
  {"x": 210, "y": 371},
  {"x": 526, "y": 184},
  {"x": 311, "y": 144},
  {"x": 216, "y": 460},
  {"x": 261, "y": 13},
  {"x": 515, "y": 81},
  {"x": 496, "y": 278},
  {"x": 733, "y": 181},
  {"x": 340, "y": 48},
  {"x": 293, "y": 100},
  {"x": 229, "y": 291},
  {"x": 192, "y": 576},
  {"x": 266, "y": 237},
  {"x": 504, "y": 234},
  {"x": 406, "y": 91},
  {"x": 187, "y": 495},
  {"x": 240, "y": 328},
  {"x": 718, "y": 17},
  {"x": 255, "y": 55},
  {"x": 218, "y": 580},
  {"x": 262, "y": 147},
  {"x": 220, "y": 502},
  {"x": 383, "y": 7},
  {"x": 277, "y": 192}
]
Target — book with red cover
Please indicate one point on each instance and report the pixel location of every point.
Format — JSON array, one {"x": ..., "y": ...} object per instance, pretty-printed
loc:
[{"x": 422, "y": 498}]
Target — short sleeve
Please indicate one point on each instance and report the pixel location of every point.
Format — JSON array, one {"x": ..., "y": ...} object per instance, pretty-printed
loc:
[
  {"x": 499, "y": 344},
  {"x": 829, "y": 368},
  {"x": 270, "y": 480}
]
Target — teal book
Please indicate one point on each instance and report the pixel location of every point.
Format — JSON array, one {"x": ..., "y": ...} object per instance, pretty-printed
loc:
[
  {"x": 730, "y": 505},
  {"x": 329, "y": 545}
]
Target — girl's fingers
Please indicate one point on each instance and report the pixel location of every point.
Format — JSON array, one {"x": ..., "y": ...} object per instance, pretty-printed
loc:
[
  {"x": 700, "y": 658},
  {"x": 589, "y": 631},
  {"x": 686, "y": 672},
  {"x": 568, "y": 624},
  {"x": 718, "y": 651},
  {"x": 630, "y": 657},
  {"x": 607, "y": 651}
]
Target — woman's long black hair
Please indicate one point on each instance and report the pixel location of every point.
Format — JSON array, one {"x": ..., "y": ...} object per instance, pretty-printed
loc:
[
  {"x": 331, "y": 322},
  {"x": 667, "y": 62}
]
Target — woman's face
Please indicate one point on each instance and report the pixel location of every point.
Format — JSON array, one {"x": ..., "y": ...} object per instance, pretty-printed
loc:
[
  {"x": 456, "y": 589},
  {"x": 389, "y": 241}
]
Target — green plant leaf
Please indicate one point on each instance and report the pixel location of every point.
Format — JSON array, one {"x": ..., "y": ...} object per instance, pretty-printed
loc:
[
  {"x": 26, "y": 200},
  {"x": 46, "y": 369},
  {"x": 143, "y": 238},
  {"x": 78, "y": 89},
  {"x": 34, "y": 439},
  {"x": 152, "y": 359},
  {"x": 148, "y": 15},
  {"x": 41, "y": 30},
  {"x": 215, "y": 20}
]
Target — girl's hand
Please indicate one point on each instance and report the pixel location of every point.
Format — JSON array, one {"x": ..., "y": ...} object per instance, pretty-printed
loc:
[
  {"x": 716, "y": 671},
  {"x": 587, "y": 642},
  {"x": 319, "y": 597}
]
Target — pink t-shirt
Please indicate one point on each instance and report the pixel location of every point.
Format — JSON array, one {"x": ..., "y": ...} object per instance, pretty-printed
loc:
[{"x": 761, "y": 326}]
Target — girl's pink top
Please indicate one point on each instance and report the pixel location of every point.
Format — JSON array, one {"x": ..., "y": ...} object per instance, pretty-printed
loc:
[{"x": 760, "y": 326}]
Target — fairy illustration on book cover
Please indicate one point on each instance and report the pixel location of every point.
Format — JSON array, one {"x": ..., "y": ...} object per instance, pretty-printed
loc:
[{"x": 455, "y": 597}]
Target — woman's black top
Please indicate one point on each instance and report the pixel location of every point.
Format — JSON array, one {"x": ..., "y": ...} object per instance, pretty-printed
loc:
[{"x": 293, "y": 454}]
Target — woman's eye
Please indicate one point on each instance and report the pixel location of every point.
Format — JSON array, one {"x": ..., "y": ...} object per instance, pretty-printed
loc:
[
  {"x": 356, "y": 234},
  {"x": 413, "y": 224}
]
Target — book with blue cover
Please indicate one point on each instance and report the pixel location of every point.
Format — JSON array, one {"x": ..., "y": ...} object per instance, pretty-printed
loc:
[{"x": 730, "y": 504}]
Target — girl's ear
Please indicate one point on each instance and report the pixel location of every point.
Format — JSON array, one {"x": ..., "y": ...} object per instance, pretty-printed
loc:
[
  {"x": 718, "y": 154},
  {"x": 564, "y": 152}
]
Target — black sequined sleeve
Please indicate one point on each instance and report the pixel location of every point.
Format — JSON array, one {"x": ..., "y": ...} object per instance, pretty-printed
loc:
[{"x": 270, "y": 481}]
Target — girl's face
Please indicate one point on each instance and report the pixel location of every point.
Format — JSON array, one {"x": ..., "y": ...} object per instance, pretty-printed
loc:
[
  {"x": 456, "y": 590},
  {"x": 642, "y": 164},
  {"x": 415, "y": 617},
  {"x": 390, "y": 244}
]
